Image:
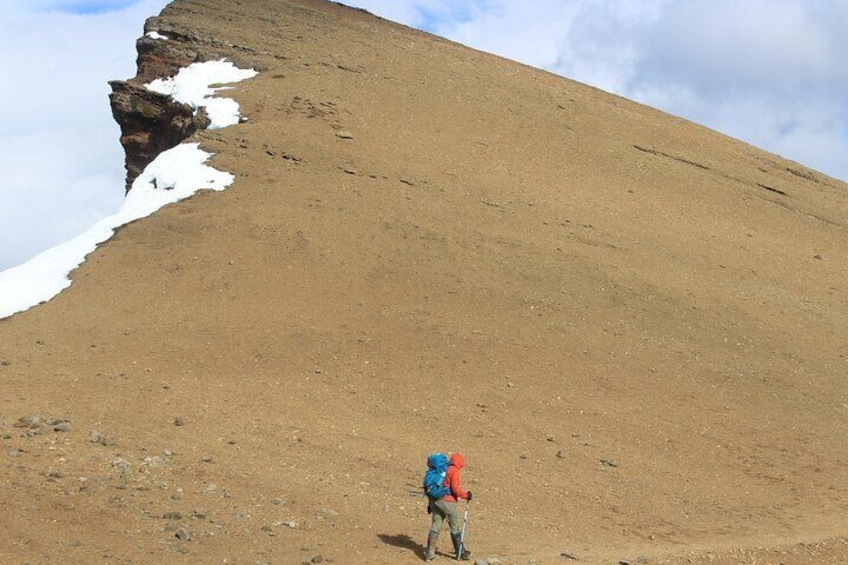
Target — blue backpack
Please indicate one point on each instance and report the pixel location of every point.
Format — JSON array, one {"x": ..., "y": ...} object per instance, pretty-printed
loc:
[{"x": 434, "y": 479}]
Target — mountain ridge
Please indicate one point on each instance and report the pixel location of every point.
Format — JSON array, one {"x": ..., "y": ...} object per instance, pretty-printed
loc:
[{"x": 628, "y": 323}]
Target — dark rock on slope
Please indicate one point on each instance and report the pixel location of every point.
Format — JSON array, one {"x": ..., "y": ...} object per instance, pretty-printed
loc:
[{"x": 150, "y": 122}]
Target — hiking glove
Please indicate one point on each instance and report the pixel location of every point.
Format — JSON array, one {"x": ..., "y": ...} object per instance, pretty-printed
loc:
[{"x": 469, "y": 496}]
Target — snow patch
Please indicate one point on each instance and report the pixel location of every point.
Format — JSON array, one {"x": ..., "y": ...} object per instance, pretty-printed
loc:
[
  {"x": 156, "y": 35},
  {"x": 174, "y": 175},
  {"x": 193, "y": 86}
]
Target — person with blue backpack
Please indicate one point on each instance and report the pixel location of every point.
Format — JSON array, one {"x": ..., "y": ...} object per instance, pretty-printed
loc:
[{"x": 443, "y": 489}]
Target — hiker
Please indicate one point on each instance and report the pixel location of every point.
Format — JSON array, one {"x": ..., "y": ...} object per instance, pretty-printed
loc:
[{"x": 446, "y": 508}]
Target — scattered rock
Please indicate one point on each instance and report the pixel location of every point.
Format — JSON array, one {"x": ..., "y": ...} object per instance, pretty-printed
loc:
[
  {"x": 172, "y": 515},
  {"x": 569, "y": 555},
  {"x": 317, "y": 559},
  {"x": 108, "y": 441},
  {"x": 121, "y": 463},
  {"x": 609, "y": 463},
  {"x": 182, "y": 534},
  {"x": 55, "y": 474},
  {"x": 179, "y": 422},
  {"x": 207, "y": 459},
  {"x": 61, "y": 425},
  {"x": 31, "y": 421},
  {"x": 277, "y": 501},
  {"x": 200, "y": 514},
  {"x": 344, "y": 135},
  {"x": 560, "y": 454},
  {"x": 95, "y": 436}
]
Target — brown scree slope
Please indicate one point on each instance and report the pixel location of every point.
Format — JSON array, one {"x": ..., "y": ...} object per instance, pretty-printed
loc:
[{"x": 632, "y": 326}]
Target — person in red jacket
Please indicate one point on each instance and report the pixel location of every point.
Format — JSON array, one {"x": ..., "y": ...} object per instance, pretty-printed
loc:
[{"x": 446, "y": 508}]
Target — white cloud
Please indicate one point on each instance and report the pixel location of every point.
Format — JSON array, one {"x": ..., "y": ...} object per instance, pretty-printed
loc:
[
  {"x": 769, "y": 72},
  {"x": 175, "y": 174},
  {"x": 497, "y": 30},
  {"x": 61, "y": 164},
  {"x": 766, "y": 71},
  {"x": 425, "y": 14}
]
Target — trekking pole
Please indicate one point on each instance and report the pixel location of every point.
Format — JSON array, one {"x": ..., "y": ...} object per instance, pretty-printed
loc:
[{"x": 462, "y": 535}]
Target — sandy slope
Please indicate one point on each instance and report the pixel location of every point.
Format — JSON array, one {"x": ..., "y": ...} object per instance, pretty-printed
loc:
[{"x": 632, "y": 326}]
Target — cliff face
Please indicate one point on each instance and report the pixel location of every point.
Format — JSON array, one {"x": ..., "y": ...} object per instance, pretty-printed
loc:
[{"x": 151, "y": 122}]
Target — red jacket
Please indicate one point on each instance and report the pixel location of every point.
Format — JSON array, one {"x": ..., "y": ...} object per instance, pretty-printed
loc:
[{"x": 457, "y": 462}]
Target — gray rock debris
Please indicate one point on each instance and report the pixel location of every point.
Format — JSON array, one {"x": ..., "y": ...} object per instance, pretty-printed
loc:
[{"x": 61, "y": 425}]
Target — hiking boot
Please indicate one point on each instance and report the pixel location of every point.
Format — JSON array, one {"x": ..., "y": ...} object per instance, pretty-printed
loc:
[
  {"x": 462, "y": 553},
  {"x": 430, "y": 552}
]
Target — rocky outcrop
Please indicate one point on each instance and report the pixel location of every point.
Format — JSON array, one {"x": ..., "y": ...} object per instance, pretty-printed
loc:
[
  {"x": 159, "y": 58},
  {"x": 151, "y": 122}
]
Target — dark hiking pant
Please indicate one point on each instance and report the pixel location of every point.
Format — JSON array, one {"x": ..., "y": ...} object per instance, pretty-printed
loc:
[{"x": 444, "y": 510}]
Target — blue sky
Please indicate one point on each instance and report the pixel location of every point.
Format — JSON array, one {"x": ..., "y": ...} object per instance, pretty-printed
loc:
[
  {"x": 770, "y": 72},
  {"x": 85, "y": 7}
]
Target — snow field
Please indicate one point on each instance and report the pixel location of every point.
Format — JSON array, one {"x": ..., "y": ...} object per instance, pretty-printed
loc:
[{"x": 174, "y": 175}]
